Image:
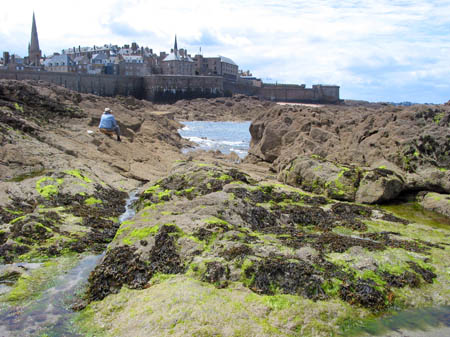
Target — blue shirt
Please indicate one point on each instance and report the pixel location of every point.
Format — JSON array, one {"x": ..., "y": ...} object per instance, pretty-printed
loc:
[{"x": 107, "y": 122}]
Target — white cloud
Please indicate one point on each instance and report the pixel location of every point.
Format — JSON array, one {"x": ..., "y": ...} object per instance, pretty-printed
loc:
[{"x": 376, "y": 50}]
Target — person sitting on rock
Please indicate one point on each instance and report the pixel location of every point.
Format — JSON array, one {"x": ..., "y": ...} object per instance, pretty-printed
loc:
[{"x": 108, "y": 124}]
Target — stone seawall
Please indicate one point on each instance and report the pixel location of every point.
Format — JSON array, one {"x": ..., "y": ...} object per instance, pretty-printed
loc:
[
  {"x": 287, "y": 93},
  {"x": 160, "y": 88},
  {"x": 102, "y": 85},
  {"x": 170, "y": 88}
]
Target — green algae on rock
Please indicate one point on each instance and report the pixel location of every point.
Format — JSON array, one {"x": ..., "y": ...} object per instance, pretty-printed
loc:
[
  {"x": 278, "y": 243},
  {"x": 437, "y": 202},
  {"x": 343, "y": 182},
  {"x": 63, "y": 216},
  {"x": 180, "y": 305}
]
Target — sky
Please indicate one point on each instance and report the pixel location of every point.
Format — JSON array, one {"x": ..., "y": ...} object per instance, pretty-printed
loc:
[{"x": 375, "y": 50}]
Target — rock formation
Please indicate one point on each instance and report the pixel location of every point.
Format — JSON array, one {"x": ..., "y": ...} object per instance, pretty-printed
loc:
[
  {"x": 218, "y": 247},
  {"x": 214, "y": 224},
  {"x": 61, "y": 180},
  {"x": 236, "y": 108},
  {"x": 373, "y": 153}
]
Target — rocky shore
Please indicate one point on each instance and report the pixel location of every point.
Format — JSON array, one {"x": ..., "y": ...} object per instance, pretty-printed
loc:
[
  {"x": 236, "y": 108},
  {"x": 362, "y": 154},
  {"x": 291, "y": 242}
]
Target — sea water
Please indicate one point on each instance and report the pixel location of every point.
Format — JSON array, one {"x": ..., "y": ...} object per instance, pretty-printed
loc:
[{"x": 223, "y": 136}]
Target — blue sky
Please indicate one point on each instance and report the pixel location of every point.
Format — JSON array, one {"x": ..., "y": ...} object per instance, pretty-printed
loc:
[{"x": 375, "y": 50}]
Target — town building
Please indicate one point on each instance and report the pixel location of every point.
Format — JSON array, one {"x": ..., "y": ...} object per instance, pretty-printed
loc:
[
  {"x": 178, "y": 62},
  {"x": 142, "y": 73},
  {"x": 216, "y": 66},
  {"x": 61, "y": 63},
  {"x": 89, "y": 51},
  {"x": 82, "y": 64},
  {"x": 134, "y": 65}
]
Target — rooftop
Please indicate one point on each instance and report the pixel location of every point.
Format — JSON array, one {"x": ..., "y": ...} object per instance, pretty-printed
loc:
[{"x": 227, "y": 60}]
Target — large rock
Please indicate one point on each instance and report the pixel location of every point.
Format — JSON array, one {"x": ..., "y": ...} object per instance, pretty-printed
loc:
[
  {"x": 341, "y": 182},
  {"x": 414, "y": 140},
  {"x": 379, "y": 185},
  {"x": 322, "y": 177},
  {"x": 429, "y": 179},
  {"x": 436, "y": 202},
  {"x": 236, "y": 108},
  {"x": 62, "y": 183}
]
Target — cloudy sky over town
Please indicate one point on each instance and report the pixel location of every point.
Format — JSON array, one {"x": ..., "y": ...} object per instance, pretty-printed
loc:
[{"x": 376, "y": 50}]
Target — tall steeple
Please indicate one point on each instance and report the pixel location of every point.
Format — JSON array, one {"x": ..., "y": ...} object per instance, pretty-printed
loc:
[
  {"x": 175, "y": 47},
  {"x": 34, "y": 53}
]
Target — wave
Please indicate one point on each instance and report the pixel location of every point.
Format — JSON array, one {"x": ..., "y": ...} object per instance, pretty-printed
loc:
[
  {"x": 207, "y": 141},
  {"x": 232, "y": 143},
  {"x": 233, "y": 136},
  {"x": 200, "y": 140}
]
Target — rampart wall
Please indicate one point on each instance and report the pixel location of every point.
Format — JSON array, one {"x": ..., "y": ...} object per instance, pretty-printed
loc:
[
  {"x": 169, "y": 88},
  {"x": 287, "y": 93},
  {"x": 102, "y": 85}
]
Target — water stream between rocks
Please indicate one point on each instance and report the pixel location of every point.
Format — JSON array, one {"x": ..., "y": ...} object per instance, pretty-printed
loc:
[{"x": 50, "y": 315}]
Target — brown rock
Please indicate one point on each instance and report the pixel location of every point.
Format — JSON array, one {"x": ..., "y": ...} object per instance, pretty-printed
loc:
[
  {"x": 236, "y": 108},
  {"x": 322, "y": 177},
  {"x": 411, "y": 141}
]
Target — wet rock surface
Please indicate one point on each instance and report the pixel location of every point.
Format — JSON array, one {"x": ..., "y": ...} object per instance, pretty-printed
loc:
[
  {"x": 62, "y": 217},
  {"x": 436, "y": 202},
  {"x": 220, "y": 226},
  {"x": 120, "y": 266}
]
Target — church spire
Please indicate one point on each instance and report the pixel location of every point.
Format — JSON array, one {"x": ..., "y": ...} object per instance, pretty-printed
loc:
[
  {"x": 175, "y": 47},
  {"x": 34, "y": 53},
  {"x": 34, "y": 45}
]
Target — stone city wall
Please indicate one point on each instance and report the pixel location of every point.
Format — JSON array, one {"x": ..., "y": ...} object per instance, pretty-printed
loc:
[
  {"x": 241, "y": 88},
  {"x": 102, "y": 85},
  {"x": 161, "y": 88},
  {"x": 170, "y": 88},
  {"x": 287, "y": 92}
]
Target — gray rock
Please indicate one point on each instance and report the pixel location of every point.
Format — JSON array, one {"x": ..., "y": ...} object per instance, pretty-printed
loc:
[
  {"x": 307, "y": 253},
  {"x": 430, "y": 179},
  {"x": 379, "y": 185}
]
